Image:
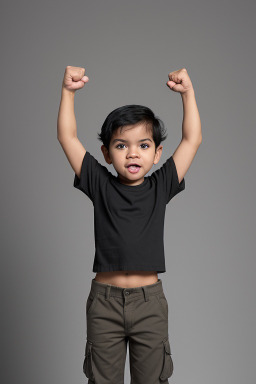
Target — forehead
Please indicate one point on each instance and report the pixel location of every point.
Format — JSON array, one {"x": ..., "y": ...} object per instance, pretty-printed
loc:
[{"x": 133, "y": 131}]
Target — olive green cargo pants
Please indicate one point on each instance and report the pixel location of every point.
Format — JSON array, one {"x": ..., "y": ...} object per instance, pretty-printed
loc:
[{"x": 116, "y": 315}]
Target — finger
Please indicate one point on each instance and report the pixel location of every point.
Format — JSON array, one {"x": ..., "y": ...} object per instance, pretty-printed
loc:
[
  {"x": 172, "y": 74},
  {"x": 177, "y": 76},
  {"x": 76, "y": 74},
  {"x": 171, "y": 84},
  {"x": 78, "y": 84},
  {"x": 177, "y": 88},
  {"x": 85, "y": 79},
  {"x": 174, "y": 77}
]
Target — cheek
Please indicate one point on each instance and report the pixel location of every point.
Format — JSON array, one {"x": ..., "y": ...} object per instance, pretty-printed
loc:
[{"x": 118, "y": 161}]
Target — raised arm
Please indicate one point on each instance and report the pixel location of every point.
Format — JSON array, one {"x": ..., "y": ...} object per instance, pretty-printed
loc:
[
  {"x": 184, "y": 154},
  {"x": 73, "y": 80}
]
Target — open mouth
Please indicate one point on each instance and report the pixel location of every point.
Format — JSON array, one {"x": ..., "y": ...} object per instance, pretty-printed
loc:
[
  {"x": 133, "y": 164},
  {"x": 134, "y": 168}
]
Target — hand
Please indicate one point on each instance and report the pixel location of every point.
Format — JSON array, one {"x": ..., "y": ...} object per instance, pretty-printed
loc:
[
  {"x": 74, "y": 78},
  {"x": 179, "y": 81}
]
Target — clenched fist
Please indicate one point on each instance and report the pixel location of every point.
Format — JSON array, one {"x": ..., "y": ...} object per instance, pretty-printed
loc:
[
  {"x": 74, "y": 78},
  {"x": 179, "y": 81}
]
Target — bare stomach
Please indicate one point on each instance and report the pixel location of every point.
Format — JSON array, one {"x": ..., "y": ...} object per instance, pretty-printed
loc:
[{"x": 127, "y": 279}]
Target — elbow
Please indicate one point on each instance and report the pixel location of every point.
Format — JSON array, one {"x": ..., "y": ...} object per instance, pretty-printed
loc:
[{"x": 199, "y": 139}]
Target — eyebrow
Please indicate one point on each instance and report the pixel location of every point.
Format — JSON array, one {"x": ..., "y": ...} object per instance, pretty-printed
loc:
[{"x": 126, "y": 141}]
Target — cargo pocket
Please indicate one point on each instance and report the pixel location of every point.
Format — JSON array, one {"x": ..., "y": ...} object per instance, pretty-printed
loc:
[
  {"x": 167, "y": 369},
  {"x": 87, "y": 366}
]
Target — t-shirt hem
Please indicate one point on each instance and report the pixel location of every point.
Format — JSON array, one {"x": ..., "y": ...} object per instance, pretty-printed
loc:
[{"x": 125, "y": 267}]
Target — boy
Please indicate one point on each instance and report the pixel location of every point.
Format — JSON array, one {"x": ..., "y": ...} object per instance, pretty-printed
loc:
[{"x": 126, "y": 301}]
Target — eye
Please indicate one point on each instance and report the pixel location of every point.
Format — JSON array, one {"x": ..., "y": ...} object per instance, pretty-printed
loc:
[
  {"x": 118, "y": 146},
  {"x": 146, "y": 144}
]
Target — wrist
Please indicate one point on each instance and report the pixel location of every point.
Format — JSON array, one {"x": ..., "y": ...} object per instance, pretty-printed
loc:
[
  {"x": 188, "y": 94},
  {"x": 65, "y": 91}
]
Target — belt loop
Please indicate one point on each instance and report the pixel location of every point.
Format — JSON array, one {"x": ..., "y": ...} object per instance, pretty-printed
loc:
[
  {"x": 108, "y": 287},
  {"x": 145, "y": 291}
]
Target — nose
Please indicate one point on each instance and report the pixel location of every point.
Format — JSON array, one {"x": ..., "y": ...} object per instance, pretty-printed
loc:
[
  {"x": 132, "y": 153},
  {"x": 132, "y": 156}
]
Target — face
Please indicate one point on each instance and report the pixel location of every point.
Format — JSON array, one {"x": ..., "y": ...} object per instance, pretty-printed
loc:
[{"x": 134, "y": 144}]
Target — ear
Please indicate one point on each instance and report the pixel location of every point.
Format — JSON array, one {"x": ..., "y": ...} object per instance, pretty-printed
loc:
[
  {"x": 158, "y": 154},
  {"x": 106, "y": 154}
]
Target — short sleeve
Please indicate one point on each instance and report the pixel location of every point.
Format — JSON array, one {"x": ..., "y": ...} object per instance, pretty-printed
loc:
[
  {"x": 92, "y": 176},
  {"x": 167, "y": 179}
]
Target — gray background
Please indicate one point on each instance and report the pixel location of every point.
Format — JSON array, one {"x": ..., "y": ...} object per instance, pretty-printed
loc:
[{"x": 128, "y": 49}]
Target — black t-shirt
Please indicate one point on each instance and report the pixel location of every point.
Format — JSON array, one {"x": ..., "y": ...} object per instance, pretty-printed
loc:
[{"x": 128, "y": 220}]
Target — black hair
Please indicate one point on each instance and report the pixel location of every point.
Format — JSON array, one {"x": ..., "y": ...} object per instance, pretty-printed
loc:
[{"x": 131, "y": 115}]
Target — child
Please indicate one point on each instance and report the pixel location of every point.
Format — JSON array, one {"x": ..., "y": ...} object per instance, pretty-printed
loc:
[{"x": 126, "y": 301}]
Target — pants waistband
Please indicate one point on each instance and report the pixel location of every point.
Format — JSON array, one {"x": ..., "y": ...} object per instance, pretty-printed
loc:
[{"x": 112, "y": 290}]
